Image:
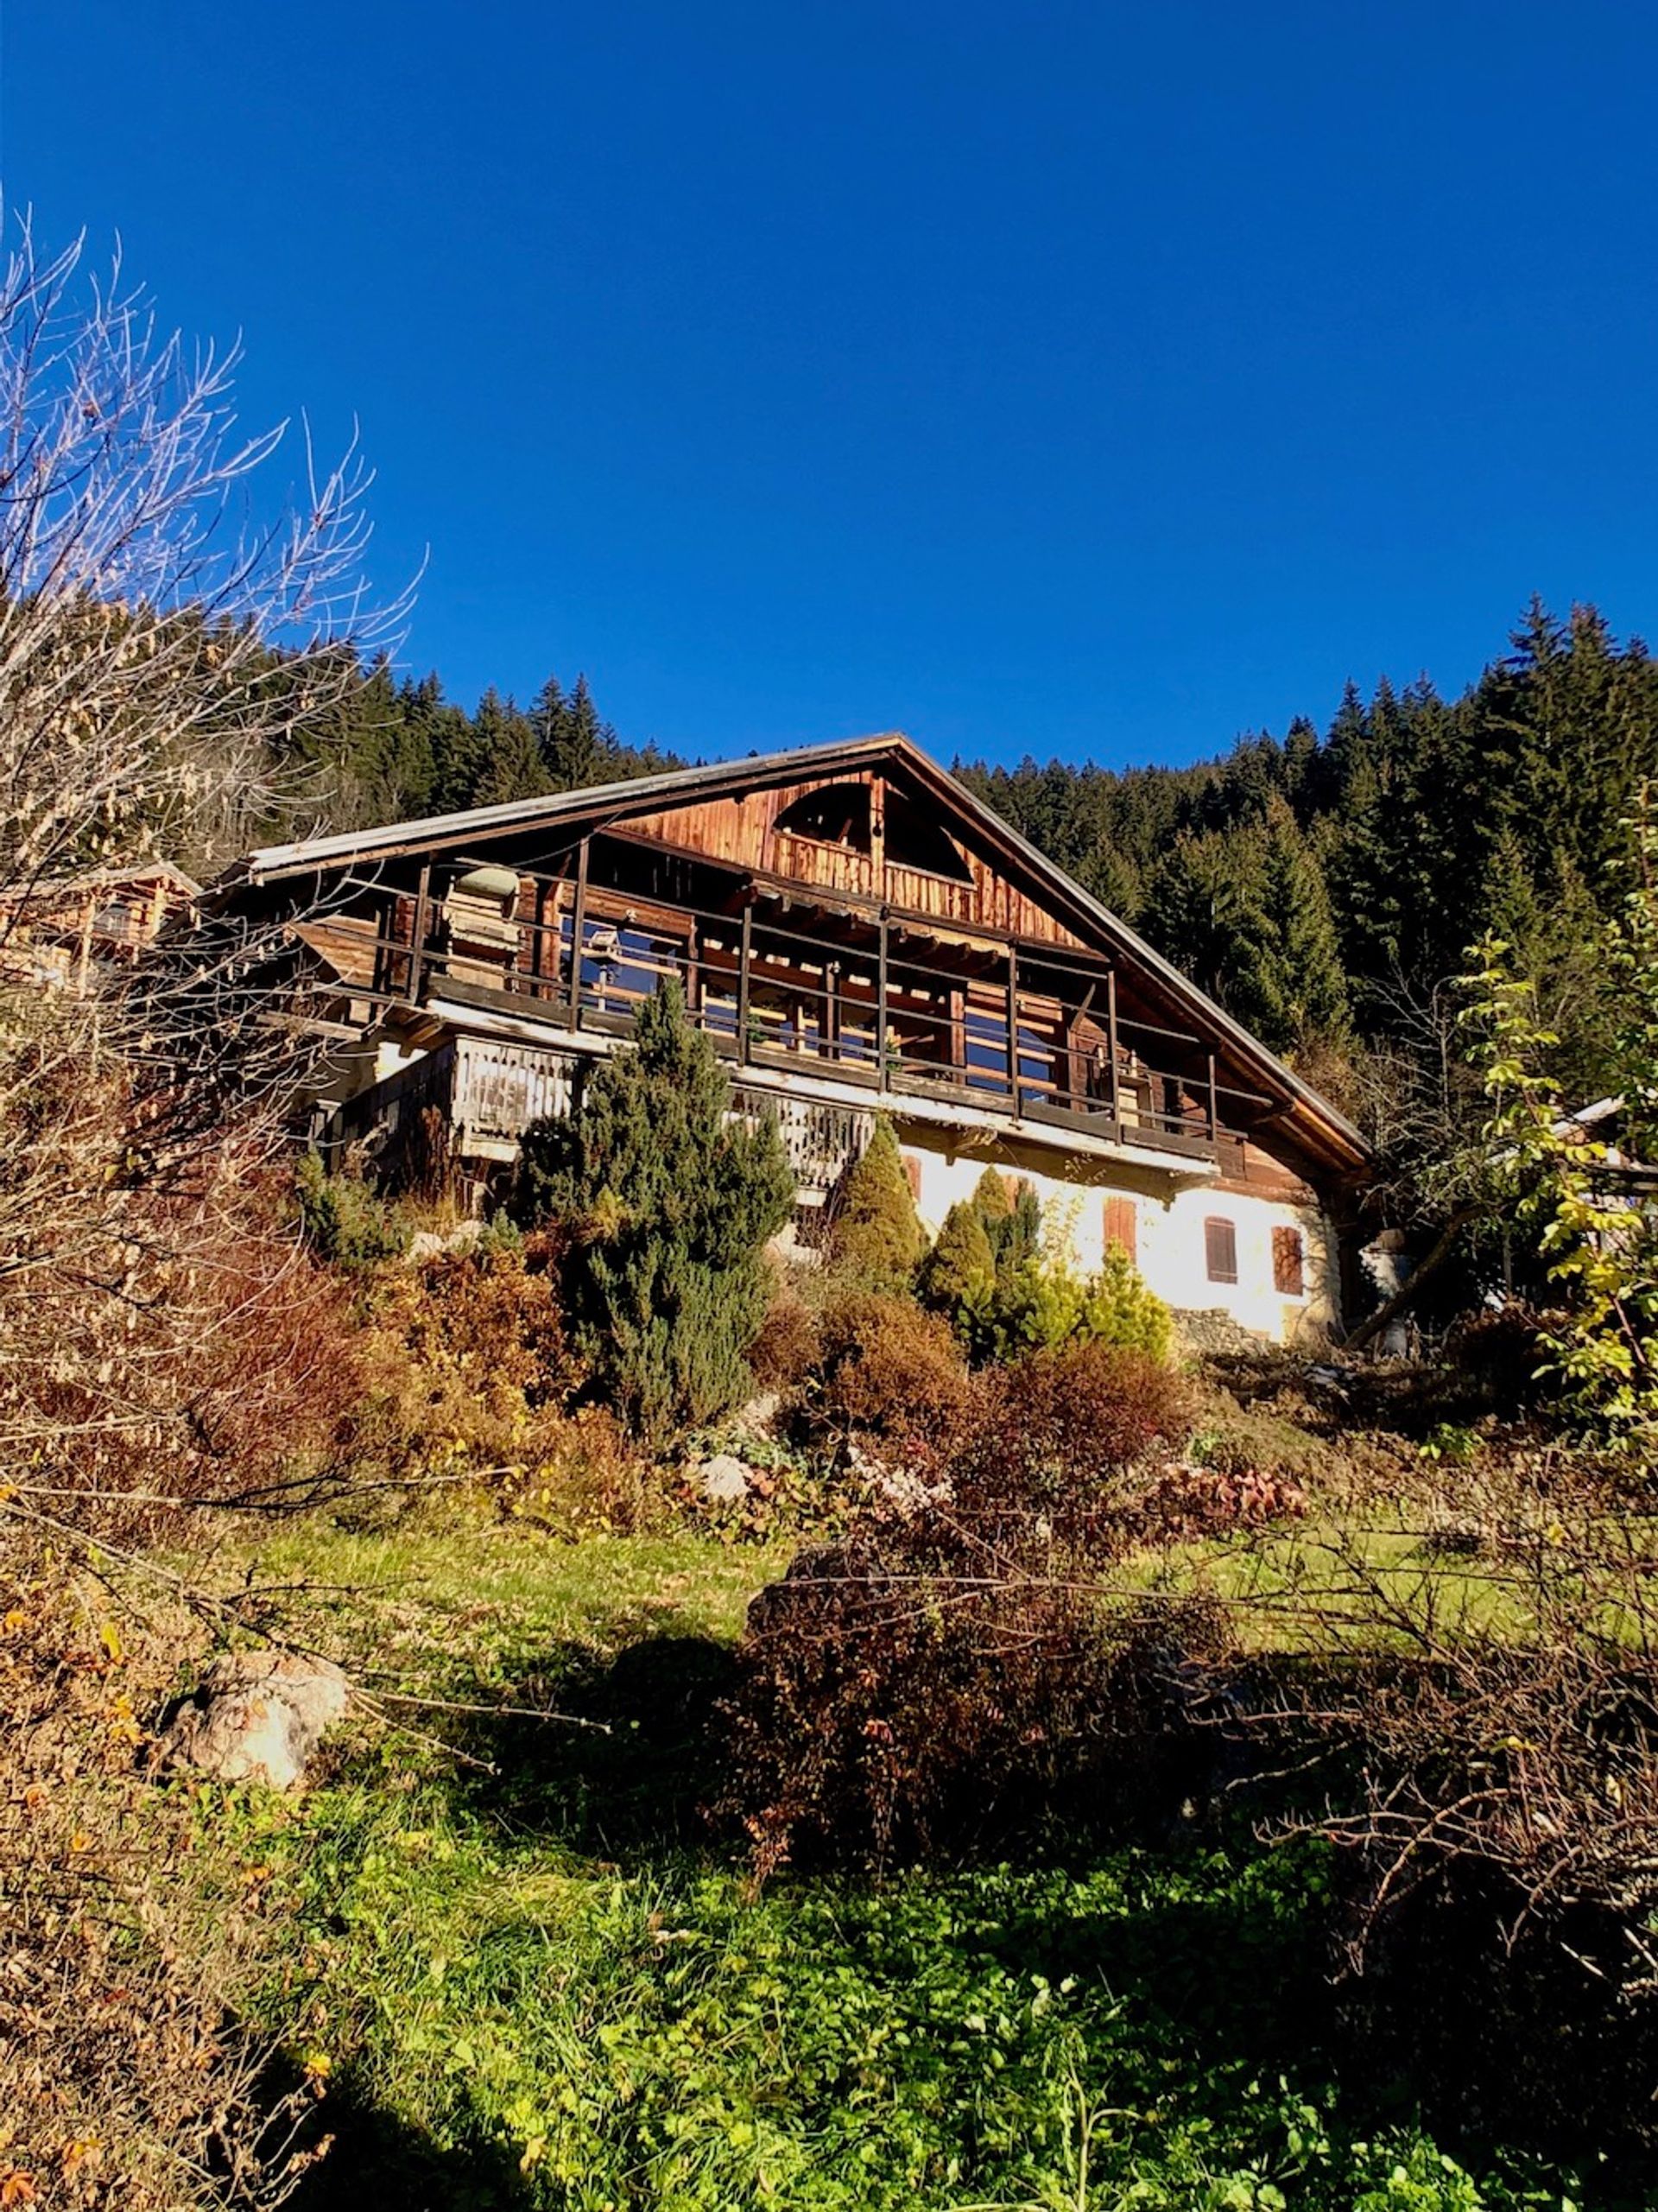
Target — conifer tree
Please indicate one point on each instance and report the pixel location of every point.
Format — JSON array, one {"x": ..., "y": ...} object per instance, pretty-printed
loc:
[
  {"x": 877, "y": 1234},
  {"x": 505, "y": 762},
  {"x": 671, "y": 1203},
  {"x": 1013, "y": 1223},
  {"x": 958, "y": 1274},
  {"x": 1295, "y": 990},
  {"x": 590, "y": 748},
  {"x": 576, "y": 748}
]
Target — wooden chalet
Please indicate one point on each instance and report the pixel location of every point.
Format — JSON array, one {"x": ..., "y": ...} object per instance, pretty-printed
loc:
[
  {"x": 855, "y": 931},
  {"x": 62, "y": 927}
]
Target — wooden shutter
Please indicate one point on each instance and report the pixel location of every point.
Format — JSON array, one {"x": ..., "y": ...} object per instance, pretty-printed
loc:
[
  {"x": 1220, "y": 1248},
  {"x": 913, "y": 1175},
  {"x": 1122, "y": 1226},
  {"x": 1288, "y": 1263}
]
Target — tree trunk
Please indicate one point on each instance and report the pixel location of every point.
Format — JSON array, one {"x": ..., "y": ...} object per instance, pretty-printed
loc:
[{"x": 1373, "y": 1324}]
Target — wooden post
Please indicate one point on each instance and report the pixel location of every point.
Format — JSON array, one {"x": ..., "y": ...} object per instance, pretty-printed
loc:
[
  {"x": 1013, "y": 1027},
  {"x": 745, "y": 954},
  {"x": 693, "y": 973},
  {"x": 417, "y": 933},
  {"x": 829, "y": 1034},
  {"x": 577, "y": 931},
  {"x": 1214, "y": 1101},
  {"x": 1110, "y": 1037},
  {"x": 538, "y": 938},
  {"x": 881, "y": 1006},
  {"x": 1076, "y": 1066}
]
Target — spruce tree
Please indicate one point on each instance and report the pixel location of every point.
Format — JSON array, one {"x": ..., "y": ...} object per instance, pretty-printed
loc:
[
  {"x": 670, "y": 1203},
  {"x": 1296, "y": 990},
  {"x": 506, "y": 765},
  {"x": 577, "y": 748},
  {"x": 958, "y": 1274},
  {"x": 877, "y": 1234}
]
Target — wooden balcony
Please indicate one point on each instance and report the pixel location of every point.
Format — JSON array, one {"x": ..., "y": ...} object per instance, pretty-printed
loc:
[{"x": 841, "y": 1007}]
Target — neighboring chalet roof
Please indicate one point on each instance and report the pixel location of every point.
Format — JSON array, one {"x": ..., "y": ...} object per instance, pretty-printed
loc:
[
  {"x": 1342, "y": 1143},
  {"x": 96, "y": 879}
]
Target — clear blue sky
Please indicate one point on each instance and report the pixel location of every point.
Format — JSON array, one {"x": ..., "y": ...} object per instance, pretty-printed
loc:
[{"x": 1081, "y": 379}]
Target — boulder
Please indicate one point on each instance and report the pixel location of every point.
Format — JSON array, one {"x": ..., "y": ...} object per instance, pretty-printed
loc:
[
  {"x": 759, "y": 1415},
  {"x": 724, "y": 1480},
  {"x": 256, "y": 1716}
]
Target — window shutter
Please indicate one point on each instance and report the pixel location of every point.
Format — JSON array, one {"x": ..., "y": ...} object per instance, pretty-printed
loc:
[
  {"x": 1220, "y": 1247},
  {"x": 1122, "y": 1226},
  {"x": 1288, "y": 1263},
  {"x": 913, "y": 1175}
]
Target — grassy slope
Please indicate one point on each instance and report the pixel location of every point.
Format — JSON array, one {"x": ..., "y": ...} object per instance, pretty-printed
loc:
[{"x": 538, "y": 1987}]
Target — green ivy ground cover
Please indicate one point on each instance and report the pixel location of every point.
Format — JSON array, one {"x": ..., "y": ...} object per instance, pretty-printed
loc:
[{"x": 540, "y": 1988}]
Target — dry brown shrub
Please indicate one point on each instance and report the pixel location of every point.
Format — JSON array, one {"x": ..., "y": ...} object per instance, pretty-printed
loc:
[
  {"x": 948, "y": 1672},
  {"x": 789, "y": 1345},
  {"x": 472, "y": 1377},
  {"x": 1055, "y": 1451},
  {"x": 890, "y": 1706},
  {"x": 191, "y": 1355},
  {"x": 891, "y": 1372},
  {"x": 130, "y": 2085}
]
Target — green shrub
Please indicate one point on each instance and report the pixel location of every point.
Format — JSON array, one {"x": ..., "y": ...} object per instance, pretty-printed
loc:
[
  {"x": 1040, "y": 1304},
  {"x": 958, "y": 1277},
  {"x": 345, "y": 1222},
  {"x": 1117, "y": 1308},
  {"x": 1013, "y": 1223},
  {"x": 670, "y": 1204},
  {"x": 877, "y": 1234}
]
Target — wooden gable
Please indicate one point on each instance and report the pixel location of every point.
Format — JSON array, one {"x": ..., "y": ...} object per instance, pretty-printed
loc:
[{"x": 760, "y": 832}]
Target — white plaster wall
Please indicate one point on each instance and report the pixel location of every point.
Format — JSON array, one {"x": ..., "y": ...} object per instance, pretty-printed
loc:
[{"x": 1173, "y": 1254}]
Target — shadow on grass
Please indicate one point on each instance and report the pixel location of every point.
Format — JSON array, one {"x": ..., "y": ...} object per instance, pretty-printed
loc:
[
  {"x": 378, "y": 2160},
  {"x": 623, "y": 1773}
]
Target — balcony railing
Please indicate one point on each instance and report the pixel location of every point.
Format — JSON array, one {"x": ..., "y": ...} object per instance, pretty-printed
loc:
[{"x": 1032, "y": 1031}]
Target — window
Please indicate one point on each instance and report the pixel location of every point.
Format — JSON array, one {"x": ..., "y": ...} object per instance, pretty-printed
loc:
[
  {"x": 838, "y": 814},
  {"x": 1288, "y": 1263},
  {"x": 1220, "y": 1248},
  {"x": 914, "y": 840},
  {"x": 1123, "y": 1226}
]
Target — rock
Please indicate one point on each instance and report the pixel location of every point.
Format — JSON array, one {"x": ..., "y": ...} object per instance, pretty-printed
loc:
[
  {"x": 757, "y": 1415},
  {"x": 723, "y": 1480},
  {"x": 901, "y": 1488},
  {"x": 256, "y": 1716}
]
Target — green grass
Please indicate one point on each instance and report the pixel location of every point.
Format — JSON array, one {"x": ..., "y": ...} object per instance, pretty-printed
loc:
[
  {"x": 472, "y": 1592},
  {"x": 1375, "y": 1581},
  {"x": 541, "y": 1987}
]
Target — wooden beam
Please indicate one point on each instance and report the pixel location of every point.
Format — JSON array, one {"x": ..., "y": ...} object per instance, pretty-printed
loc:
[
  {"x": 578, "y": 930},
  {"x": 881, "y": 1003},
  {"x": 417, "y": 933},
  {"x": 1013, "y": 1027},
  {"x": 745, "y": 961},
  {"x": 1214, "y": 1104},
  {"x": 1116, "y": 1076}
]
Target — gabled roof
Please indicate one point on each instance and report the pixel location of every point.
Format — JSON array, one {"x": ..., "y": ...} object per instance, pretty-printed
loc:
[{"x": 646, "y": 795}]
